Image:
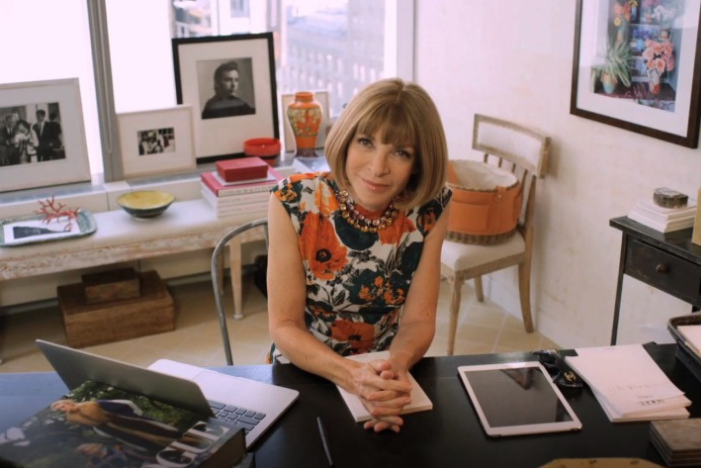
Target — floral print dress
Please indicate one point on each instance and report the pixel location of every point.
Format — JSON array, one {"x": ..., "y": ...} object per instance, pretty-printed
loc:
[{"x": 356, "y": 281}]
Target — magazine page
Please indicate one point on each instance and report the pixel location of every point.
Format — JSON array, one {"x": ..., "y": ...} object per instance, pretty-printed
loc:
[{"x": 97, "y": 425}]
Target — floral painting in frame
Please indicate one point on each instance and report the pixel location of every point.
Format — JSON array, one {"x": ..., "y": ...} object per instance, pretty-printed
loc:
[{"x": 637, "y": 66}]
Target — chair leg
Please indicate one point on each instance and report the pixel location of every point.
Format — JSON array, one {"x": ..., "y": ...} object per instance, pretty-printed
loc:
[
  {"x": 524, "y": 292},
  {"x": 455, "y": 287},
  {"x": 479, "y": 292},
  {"x": 235, "y": 271}
]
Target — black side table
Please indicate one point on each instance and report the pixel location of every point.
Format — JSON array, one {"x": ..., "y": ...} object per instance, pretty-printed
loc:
[{"x": 668, "y": 262}]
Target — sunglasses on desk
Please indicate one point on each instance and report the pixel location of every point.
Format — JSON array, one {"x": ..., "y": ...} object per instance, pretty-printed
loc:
[{"x": 562, "y": 375}]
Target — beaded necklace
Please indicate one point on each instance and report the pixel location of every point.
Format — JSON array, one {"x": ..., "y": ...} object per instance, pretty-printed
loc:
[{"x": 351, "y": 214}]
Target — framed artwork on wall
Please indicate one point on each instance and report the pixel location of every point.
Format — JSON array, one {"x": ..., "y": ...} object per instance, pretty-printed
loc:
[
  {"x": 42, "y": 136},
  {"x": 322, "y": 97},
  {"x": 230, "y": 83},
  {"x": 156, "y": 141},
  {"x": 637, "y": 66}
]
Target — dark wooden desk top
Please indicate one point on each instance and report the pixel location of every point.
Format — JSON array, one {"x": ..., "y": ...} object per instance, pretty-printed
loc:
[
  {"x": 677, "y": 242},
  {"x": 448, "y": 436}
]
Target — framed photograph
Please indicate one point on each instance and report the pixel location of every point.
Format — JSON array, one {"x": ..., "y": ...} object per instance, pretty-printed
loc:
[
  {"x": 42, "y": 136},
  {"x": 322, "y": 97},
  {"x": 156, "y": 141},
  {"x": 230, "y": 83},
  {"x": 637, "y": 66}
]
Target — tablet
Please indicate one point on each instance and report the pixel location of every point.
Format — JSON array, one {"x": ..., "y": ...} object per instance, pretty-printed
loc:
[{"x": 516, "y": 398}]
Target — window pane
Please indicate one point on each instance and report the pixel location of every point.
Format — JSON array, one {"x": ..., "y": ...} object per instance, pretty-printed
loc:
[{"x": 317, "y": 41}]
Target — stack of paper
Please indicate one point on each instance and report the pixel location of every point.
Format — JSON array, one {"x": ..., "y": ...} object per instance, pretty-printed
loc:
[
  {"x": 692, "y": 338},
  {"x": 628, "y": 384},
  {"x": 662, "y": 219}
]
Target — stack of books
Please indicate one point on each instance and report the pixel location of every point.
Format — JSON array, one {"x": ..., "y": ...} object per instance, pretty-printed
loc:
[
  {"x": 662, "y": 219},
  {"x": 628, "y": 384},
  {"x": 239, "y": 186},
  {"x": 679, "y": 442}
]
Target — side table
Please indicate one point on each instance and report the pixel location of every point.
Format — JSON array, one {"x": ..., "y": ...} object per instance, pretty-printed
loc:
[{"x": 669, "y": 262}]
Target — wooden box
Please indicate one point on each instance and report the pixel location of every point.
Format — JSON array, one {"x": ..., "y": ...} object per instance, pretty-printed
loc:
[
  {"x": 111, "y": 285},
  {"x": 235, "y": 170},
  {"x": 90, "y": 324}
]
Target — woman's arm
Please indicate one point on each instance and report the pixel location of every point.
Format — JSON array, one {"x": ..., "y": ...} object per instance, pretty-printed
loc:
[{"x": 418, "y": 322}]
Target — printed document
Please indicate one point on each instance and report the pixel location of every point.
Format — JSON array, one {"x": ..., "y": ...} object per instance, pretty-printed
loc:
[{"x": 628, "y": 383}]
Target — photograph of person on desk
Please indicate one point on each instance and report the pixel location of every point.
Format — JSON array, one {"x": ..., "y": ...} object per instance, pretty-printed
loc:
[{"x": 354, "y": 256}]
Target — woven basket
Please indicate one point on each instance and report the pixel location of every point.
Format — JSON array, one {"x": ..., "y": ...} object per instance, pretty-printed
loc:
[{"x": 486, "y": 203}]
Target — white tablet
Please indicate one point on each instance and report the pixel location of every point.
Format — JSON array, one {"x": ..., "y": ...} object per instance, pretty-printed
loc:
[{"x": 516, "y": 398}]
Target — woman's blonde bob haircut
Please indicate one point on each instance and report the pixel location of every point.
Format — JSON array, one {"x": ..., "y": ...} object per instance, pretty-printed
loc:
[{"x": 407, "y": 116}]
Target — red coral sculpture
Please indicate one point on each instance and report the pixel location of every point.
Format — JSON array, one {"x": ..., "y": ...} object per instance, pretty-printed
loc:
[{"x": 53, "y": 210}]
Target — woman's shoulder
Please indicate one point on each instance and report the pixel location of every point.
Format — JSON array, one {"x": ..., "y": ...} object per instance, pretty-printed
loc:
[{"x": 307, "y": 180}]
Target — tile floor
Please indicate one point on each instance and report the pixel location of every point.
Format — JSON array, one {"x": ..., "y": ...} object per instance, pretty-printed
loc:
[{"x": 482, "y": 328}]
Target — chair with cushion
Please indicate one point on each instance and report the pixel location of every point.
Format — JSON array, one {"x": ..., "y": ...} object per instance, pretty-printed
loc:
[
  {"x": 524, "y": 153},
  {"x": 217, "y": 270}
]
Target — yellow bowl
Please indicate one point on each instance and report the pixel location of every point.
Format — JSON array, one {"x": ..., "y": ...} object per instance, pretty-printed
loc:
[{"x": 145, "y": 203}]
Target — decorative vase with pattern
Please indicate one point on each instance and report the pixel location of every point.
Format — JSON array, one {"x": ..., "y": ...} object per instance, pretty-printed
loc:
[
  {"x": 653, "y": 81},
  {"x": 304, "y": 114}
]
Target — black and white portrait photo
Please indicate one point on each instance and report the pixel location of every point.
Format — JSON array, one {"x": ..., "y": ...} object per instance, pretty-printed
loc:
[
  {"x": 156, "y": 141},
  {"x": 30, "y": 133},
  {"x": 226, "y": 88}
]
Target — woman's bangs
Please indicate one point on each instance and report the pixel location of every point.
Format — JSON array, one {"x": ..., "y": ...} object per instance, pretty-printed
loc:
[{"x": 397, "y": 128}]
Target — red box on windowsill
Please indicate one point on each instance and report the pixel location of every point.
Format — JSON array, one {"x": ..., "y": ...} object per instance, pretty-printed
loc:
[{"x": 235, "y": 170}]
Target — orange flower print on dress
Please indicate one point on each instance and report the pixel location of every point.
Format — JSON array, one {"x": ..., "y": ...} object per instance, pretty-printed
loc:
[
  {"x": 394, "y": 297},
  {"x": 320, "y": 247},
  {"x": 393, "y": 233},
  {"x": 326, "y": 202},
  {"x": 426, "y": 221},
  {"x": 359, "y": 335}
]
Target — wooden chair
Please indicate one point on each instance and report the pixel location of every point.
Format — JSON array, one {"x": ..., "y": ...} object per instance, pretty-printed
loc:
[
  {"x": 217, "y": 271},
  {"x": 524, "y": 153}
]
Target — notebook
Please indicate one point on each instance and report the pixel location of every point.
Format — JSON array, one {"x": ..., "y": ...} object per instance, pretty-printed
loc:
[
  {"x": 253, "y": 405},
  {"x": 419, "y": 399}
]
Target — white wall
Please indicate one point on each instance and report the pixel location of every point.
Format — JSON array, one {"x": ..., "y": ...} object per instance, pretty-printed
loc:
[{"x": 513, "y": 59}]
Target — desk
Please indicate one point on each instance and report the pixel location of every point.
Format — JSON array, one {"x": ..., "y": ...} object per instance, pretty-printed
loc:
[
  {"x": 186, "y": 226},
  {"x": 448, "y": 436},
  {"x": 668, "y": 262}
]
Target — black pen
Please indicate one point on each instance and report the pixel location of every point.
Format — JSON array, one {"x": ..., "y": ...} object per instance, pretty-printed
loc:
[{"x": 324, "y": 441}]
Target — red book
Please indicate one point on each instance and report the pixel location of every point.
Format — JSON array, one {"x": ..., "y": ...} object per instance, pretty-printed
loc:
[
  {"x": 234, "y": 170},
  {"x": 210, "y": 181}
]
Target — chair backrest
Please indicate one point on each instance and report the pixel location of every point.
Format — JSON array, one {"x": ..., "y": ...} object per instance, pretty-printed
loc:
[
  {"x": 217, "y": 276},
  {"x": 515, "y": 148}
]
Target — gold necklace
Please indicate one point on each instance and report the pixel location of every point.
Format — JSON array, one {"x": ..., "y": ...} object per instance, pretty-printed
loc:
[{"x": 351, "y": 214}]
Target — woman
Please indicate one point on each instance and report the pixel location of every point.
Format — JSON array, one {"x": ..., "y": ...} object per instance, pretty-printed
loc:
[{"x": 347, "y": 246}]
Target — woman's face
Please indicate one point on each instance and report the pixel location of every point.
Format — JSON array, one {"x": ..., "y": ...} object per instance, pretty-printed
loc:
[{"x": 377, "y": 172}]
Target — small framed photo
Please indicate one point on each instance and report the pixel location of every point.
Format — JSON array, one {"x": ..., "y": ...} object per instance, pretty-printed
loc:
[
  {"x": 322, "y": 97},
  {"x": 42, "y": 135},
  {"x": 230, "y": 83},
  {"x": 156, "y": 141}
]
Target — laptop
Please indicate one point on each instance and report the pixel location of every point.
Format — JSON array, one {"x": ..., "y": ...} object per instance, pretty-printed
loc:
[{"x": 242, "y": 402}]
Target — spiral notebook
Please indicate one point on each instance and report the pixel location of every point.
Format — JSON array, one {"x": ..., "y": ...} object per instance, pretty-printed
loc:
[{"x": 419, "y": 399}]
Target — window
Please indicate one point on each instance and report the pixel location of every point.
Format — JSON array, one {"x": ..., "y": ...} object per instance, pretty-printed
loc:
[
  {"x": 377, "y": 34},
  {"x": 316, "y": 40}
]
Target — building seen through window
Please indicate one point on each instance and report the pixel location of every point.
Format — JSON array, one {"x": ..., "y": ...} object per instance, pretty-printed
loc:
[{"x": 332, "y": 45}]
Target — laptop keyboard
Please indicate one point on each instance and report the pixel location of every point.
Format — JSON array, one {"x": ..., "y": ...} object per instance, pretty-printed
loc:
[{"x": 239, "y": 417}]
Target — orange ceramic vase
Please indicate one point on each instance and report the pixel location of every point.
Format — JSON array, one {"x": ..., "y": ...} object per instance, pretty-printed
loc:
[{"x": 304, "y": 114}]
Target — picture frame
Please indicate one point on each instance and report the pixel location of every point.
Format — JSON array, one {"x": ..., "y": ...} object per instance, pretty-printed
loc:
[
  {"x": 156, "y": 141},
  {"x": 223, "y": 119},
  {"x": 56, "y": 155},
  {"x": 322, "y": 97},
  {"x": 653, "y": 49}
]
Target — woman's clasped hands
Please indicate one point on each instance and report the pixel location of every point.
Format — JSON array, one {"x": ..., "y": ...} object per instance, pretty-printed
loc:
[{"x": 383, "y": 391}]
